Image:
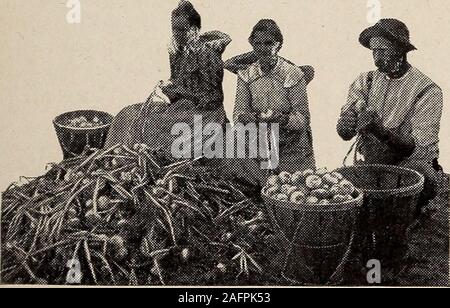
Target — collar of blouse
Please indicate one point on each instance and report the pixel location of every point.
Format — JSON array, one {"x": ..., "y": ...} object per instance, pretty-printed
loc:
[{"x": 274, "y": 71}]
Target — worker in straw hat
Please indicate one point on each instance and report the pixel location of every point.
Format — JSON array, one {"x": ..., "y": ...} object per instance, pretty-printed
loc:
[{"x": 394, "y": 111}]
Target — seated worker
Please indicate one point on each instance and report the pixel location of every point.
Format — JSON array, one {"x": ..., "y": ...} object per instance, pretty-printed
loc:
[{"x": 195, "y": 87}]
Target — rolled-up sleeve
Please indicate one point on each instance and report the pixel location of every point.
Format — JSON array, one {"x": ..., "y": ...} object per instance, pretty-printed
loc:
[
  {"x": 217, "y": 40},
  {"x": 426, "y": 123}
]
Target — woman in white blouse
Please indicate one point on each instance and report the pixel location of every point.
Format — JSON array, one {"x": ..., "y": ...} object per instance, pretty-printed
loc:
[{"x": 274, "y": 84}]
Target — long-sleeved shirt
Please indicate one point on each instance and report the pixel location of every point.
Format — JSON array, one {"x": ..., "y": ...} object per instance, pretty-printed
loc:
[
  {"x": 282, "y": 90},
  {"x": 411, "y": 106},
  {"x": 198, "y": 70}
]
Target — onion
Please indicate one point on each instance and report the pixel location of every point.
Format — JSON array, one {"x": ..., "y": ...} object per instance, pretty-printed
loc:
[
  {"x": 298, "y": 197},
  {"x": 285, "y": 177},
  {"x": 322, "y": 171},
  {"x": 320, "y": 193},
  {"x": 338, "y": 175},
  {"x": 347, "y": 187},
  {"x": 273, "y": 181},
  {"x": 298, "y": 178},
  {"x": 272, "y": 191},
  {"x": 324, "y": 202},
  {"x": 103, "y": 203},
  {"x": 312, "y": 200},
  {"x": 308, "y": 172},
  {"x": 222, "y": 268},
  {"x": 185, "y": 254},
  {"x": 330, "y": 179},
  {"x": 314, "y": 182},
  {"x": 93, "y": 218},
  {"x": 336, "y": 190},
  {"x": 340, "y": 199},
  {"x": 282, "y": 197}
]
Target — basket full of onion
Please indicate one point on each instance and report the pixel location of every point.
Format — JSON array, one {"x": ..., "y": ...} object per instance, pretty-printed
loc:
[
  {"x": 77, "y": 130},
  {"x": 316, "y": 212}
]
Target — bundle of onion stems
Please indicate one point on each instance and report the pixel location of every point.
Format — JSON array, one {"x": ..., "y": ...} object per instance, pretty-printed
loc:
[{"x": 133, "y": 216}]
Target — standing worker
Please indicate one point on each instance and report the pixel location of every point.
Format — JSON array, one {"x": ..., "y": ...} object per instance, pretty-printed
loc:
[
  {"x": 395, "y": 110},
  {"x": 268, "y": 83}
]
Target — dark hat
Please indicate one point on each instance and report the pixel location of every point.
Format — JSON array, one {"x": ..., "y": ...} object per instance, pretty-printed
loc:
[{"x": 391, "y": 29}]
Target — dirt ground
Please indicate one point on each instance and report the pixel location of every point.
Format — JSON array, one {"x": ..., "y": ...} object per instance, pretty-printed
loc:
[{"x": 428, "y": 256}]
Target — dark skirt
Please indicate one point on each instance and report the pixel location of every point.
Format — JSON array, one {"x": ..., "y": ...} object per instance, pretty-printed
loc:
[
  {"x": 152, "y": 124},
  {"x": 296, "y": 154}
]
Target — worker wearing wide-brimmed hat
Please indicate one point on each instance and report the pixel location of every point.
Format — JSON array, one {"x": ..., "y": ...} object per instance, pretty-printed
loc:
[{"x": 395, "y": 110}]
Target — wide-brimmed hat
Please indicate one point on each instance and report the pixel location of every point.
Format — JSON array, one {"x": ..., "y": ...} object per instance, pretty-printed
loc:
[{"x": 391, "y": 29}]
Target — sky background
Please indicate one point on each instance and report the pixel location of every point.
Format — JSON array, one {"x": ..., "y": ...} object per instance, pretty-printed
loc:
[{"x": 118, "y": 52}]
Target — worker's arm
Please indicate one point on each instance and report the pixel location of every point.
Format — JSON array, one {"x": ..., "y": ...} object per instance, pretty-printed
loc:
[
  {"x": 347, "y": 126},
  {"x": 241, "y": 62},
  {"x": 370, "y": 122}
]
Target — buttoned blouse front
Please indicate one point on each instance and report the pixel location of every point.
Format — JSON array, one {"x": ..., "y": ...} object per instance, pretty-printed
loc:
[{"x": 283, "y": 90}]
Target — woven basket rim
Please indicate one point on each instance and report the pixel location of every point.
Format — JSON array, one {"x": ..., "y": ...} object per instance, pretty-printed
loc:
[
  {"x": 104, "y": 126},
  {"x": 332, "y": 207},
  {"x": 413, "y": 189}
]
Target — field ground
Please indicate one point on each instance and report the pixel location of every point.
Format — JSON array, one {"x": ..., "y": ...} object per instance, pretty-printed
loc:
[{"x": 429, "y": 244}]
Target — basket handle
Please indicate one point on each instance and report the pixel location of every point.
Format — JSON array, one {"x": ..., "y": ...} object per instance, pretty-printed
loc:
[
  {"x": 290, "y": 246},
  {"x": 353, "y": 148},
  {"x": 303, "y": 266},
  {"x": 344, "y": 260}
]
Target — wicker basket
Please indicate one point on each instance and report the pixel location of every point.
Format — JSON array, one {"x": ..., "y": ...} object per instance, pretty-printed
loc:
[
  {"x": 319, "y": 238},
  {"x": 391, "y": 195},
  {"x": 74, "y": 140}
]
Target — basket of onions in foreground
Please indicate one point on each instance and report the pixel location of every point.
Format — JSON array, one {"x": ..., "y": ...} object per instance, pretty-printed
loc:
[{"x": 316, "y": 212}]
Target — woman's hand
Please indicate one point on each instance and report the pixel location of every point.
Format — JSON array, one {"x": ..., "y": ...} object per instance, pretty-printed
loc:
[
  {"x": 216, "y": 40},
  {"x": 165, "y": 83},
  {"x": 170, "y": 90},
  {"x": 275, "y": 117},
  {"x": 174, "y": 92},
  {"x": 281, "y": 118},
  {"x": 240, "y": 62}
]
